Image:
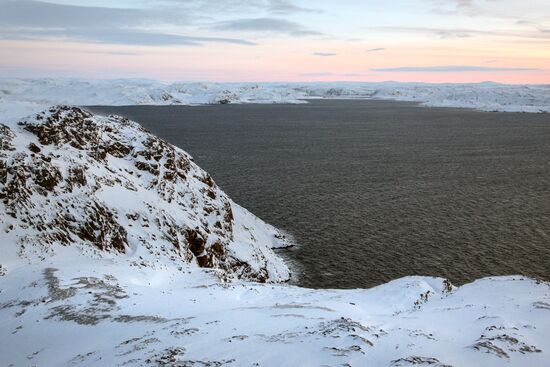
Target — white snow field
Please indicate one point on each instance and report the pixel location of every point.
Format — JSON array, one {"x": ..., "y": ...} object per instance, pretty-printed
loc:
[
  {"x": 105, "y": 313},
  {"x": 116, "y": 249}
]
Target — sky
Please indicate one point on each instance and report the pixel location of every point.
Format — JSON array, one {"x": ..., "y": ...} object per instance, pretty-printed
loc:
[{"x": 504, "y": 41}]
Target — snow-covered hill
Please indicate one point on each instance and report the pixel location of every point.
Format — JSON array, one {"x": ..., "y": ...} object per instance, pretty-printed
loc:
[
  {"x": 105, "y": 185},
  {"x": 116, "y": 249},
  {"x": 45, "y": 92}
]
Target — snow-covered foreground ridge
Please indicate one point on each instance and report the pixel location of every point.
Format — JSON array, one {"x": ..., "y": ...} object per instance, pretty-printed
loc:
[
  {"x": 117, "y": 250},
  {"x": 483, "y": 96},
  {"x": 102, "y": 313}
]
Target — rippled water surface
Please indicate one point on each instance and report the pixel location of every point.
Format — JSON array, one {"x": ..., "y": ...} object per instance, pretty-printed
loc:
[{"x": 376, "y": 190}]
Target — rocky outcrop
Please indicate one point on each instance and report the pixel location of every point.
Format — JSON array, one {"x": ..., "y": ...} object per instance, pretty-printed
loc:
[{"x": 70, "y": 178}]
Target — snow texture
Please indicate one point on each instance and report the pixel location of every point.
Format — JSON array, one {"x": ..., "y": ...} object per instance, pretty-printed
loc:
[{"x": 100, "y": 312}]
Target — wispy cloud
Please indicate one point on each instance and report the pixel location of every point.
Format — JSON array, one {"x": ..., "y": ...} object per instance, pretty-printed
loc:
[
  {"x": 444, "y": 33},
  {"x": 40, "y": 14},
  {"x": 277, "y": 7},
  {"x": 524, "y": 22},
  {"x": 266, "y": 25},
  {"x": 377, "y": 49},
  {"x": 119, "y": 37},
  {"x": 467, "y": 32},
  {"x": 451, "y": 69},
  {"x": 464, "y": 3},
  {"x": 28, "y": 20},
  {"x": 287, "y": 7},
  {"x": 467, "y": 7},
  {"x": 324, "y": 54}
]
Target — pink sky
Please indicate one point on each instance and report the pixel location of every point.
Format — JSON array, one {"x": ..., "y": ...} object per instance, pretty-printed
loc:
[{"x": 469, "y": 41}]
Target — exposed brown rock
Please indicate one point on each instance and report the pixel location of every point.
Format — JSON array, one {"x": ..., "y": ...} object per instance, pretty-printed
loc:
[
  {"x": 207, "y": 180},
  {"x": 6, "y": 137},
  {"x": 46, "y": 175},
  {"x": 77, "y": 177},
  {"x": 118, "y": 150},
  {"x": 149, "y": 167},
  {"x": 195, "y": 241},
  {"x": 217, "y": 248},
  {"x": 34, "y": 148},
  {"x": 102, "y": 229}
]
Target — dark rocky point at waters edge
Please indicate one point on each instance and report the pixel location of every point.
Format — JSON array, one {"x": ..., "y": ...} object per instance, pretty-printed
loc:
[{"x": 376, "y": 190}]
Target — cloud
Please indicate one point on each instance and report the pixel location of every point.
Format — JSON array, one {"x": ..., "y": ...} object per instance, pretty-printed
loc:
[
  {"x": 451, "y": 34},
  {"x": 38, "y": 14},
  {"x": 444, "y": 33},
  {"x": 450, "y": 69},
  {"x": 266, "y": 25},
  {"x": 465, "y": 32},
  {"x": 154, "y": 23},
  {"x": 324, "y": 54},
  {"x": 524, "y": 22},
  {"x": 29, "y": 20},
  {"x": 464, "y": 3},
  {"x": 119, "y": 37},
  {"x": 287, "y": 7},
  {"x": 453, "y": 7},
  {"x": 376, "y": 49},
  {"x": 278, "y": 7}
]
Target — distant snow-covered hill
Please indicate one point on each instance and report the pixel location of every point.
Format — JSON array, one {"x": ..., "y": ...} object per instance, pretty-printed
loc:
[{"x": 46, "y": 92}]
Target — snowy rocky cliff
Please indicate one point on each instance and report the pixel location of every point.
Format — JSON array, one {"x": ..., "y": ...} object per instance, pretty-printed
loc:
[{"x": 109, "y": 188}]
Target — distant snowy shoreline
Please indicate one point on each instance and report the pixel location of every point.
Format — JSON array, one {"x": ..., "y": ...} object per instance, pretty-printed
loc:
[{"x": 20, "y": 97}]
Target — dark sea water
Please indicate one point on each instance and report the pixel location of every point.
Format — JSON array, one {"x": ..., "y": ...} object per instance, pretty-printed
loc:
[{"x": 376, "y": 190}]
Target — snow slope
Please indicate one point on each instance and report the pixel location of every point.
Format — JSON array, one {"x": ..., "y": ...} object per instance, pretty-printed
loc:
[
  {"x": 45, "y": 92},
  {"x": 116, "y": 249},
  {"x": 101, "y": 313}
]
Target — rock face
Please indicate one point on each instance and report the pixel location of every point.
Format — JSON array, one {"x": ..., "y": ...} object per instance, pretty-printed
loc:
[{"x": 107, "y": 186}]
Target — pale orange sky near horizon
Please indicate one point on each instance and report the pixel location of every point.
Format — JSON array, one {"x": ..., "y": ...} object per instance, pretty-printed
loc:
[{"x": 276, "y": 40}]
